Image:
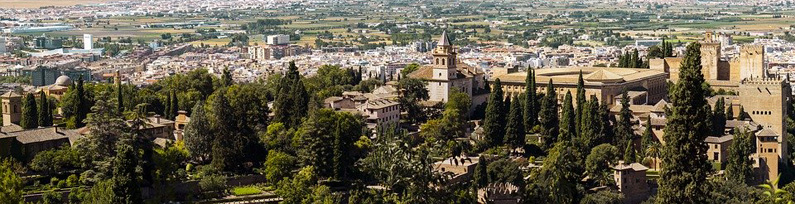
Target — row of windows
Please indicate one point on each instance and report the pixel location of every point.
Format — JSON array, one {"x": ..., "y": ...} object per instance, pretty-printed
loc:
[
  {"x": 762, "y": 112},
  {"x": 768, "y": 150}
]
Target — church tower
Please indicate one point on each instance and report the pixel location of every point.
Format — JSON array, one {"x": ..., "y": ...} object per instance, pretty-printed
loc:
[
  {"x": 710, "y": 56},
  {"x": 444, "y": 59}
]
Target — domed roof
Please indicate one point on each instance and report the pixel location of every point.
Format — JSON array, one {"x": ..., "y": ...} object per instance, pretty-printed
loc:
[{"x": 63, "y": 80}]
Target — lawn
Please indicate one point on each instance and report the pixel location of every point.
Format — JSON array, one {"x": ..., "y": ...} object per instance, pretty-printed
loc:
[{"x": 246, "y": 190}]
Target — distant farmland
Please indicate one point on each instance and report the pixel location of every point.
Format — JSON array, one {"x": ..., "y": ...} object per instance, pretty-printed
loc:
[{"x": 41, "y": 3}]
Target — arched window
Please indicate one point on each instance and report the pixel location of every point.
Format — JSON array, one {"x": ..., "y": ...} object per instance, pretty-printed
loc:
[
  {"x": 443, "y": 61},
  {"x": 437, "y": 61}
]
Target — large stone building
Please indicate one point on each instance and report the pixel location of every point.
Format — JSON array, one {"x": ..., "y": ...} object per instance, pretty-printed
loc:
[
  {"x": 719, "y": 71},
  {"x": 645, "y": 86},
  {"x": 446, "y": 72}
]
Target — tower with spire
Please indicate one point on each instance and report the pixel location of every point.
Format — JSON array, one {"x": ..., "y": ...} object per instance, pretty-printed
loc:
[{"x": 444, "y": 59}]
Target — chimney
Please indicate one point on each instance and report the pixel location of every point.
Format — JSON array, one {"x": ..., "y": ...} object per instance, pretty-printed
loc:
[{"x": 157, "y": 119}]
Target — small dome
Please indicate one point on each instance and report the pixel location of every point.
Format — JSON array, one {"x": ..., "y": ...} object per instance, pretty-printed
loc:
[{"x": 63, "y": 80}]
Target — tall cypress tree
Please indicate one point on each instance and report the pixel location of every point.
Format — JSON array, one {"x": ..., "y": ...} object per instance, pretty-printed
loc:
[
  {"x": 567, "y": 123},
  {"x": 119, "y": 97},
  {"x": 684, "y": 155},
  {"x": 549, "y": 116},
  {"x": 739, "y": 166},
  {"x": 30, "y": 114},
  {"x": 82, "y": 105},
  {"x": 45, "y": 117},
  {"x": 515, "y": 131},
  {"x": 580, "y": 102},
  {"x": 605, "y": 122},
  {"x": 589, "y": 124},
  {"x": 530, "y": 113},
  {"x": 719, "y": 118},
  {"x": 126, "y": 187},
  {"x": 481, "y": 175},
  {"x": 648, "y": 137},
  {"x": 167, "y": 112},
  {"x": 624, "y": 130},
  {"x": 729, "y": 112},
  {"x": 291, "y": 99},
  {"x": 635, "y": 61},
  {"x": 227, "y": 148},
  {"x": 174, "y": 106},
  {"x": 629, "y": 153},
  {"x": 493, "y": 123}
]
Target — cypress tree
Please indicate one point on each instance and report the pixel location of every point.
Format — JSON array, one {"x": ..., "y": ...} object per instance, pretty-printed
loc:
[
  {"x": 742, "y": 114},
  {"x": 30, "y": 118},
  {"x": 549, "y": 117},
  {"x": 291, "y": 99},
  {"x": 493, "y": 123},
  {"x": 119, "y": 97},
  {"x": 629, "y": 153},
  {"x": 227, "y": 147},
  {"x": 167, "y": 113},
  {"x": 719, "y": 118},
  {"x": 648, "y": 137},
  {"x": 126, "y": 187},
  {"x": 622, "y": 60},
  {"x": 588, "y": 127},
  {"x": 82, "y": 103},
  {"x": 174, "y": 105},
  {"x": 481, "y": 175},
  {"x": 198, "y": 135},
  {"x": 624, "y": 130},
  {"x": 739, "y": 166},
  {"x": 729, "y": 112},
  {"x": 605, "y": 127},
  {"x": 684, "y": 155},
  {"x": 530, "y": 113},
  {"x": 300, "y": 108},
  {"x": 514, "y": 132},
  {"x": 567, "y": 123},
  {"x": 226, "y": 78},
  {"x": 580, "y": 102},
  {"x": 45, "y": 118},
  {"x": 635, "y": 61}
]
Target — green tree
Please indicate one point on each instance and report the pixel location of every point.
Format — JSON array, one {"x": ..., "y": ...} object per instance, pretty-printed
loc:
[
  {"x": 327, "y": 138},
  {"x": 581, "y": 100},
  {"x": 173, "y": 105},
  {"x": 481, "y": 176},
  {"x": 409, "y": 69},
  {"x": 44, "y": 115},
  {"x": 493, "y": 127},
  {"x": 567, "y": 121},
  {"x": 126, "y": 187},
  {"x": 514, "y": 132},
  {"x": 635, "y": 60},
  {"x": 101, "y": 193},
  {"x": 719, "y": 118},
  {"x": 624, "y": 130},
  {"x": 603, "y": 197},
  {"x": 729, "y": 112},
  {"x": 29, "y": 113},
  {"x": 226, "y": 78},
  {"x": 549, "y": 117},
  {"x": 599, "y": 162},
  {"x": 292, "y": 100},
  {"x": 684, "y": 156},
  {"x": 629, "y": 153},
  {"x": 10, "y": 183},
  {"x": 82, "y": 105},
  {"x": 655, "y": 52},
  {"x": 459, "y": 101},
  {"x": 739, "y": 167},
  {"x": 198, "y": 135},
  {"x": 278, "y": 166},
  {"x": 530, "y": 101},
  {"x": 227, "y": 147},
  {"x": 648, "y": 138},
  {"x": 119, "y": 96},
  {"x": 559, "y": 174},
  {"x": 412, "y": 91}
]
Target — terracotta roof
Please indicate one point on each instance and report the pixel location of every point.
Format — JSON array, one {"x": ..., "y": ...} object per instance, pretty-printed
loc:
[
  {"x": 426, "y": 72},
  {"x": 718, "y": 140},
  {"x": 603, "y": 75},
  {"x": 597, "y": 75},
  {"x": 379, "y": 104},
  {"x": 633, "y": 166},
  {"x": 660, "y": 106},
  {"x": 767, "y": 132}
]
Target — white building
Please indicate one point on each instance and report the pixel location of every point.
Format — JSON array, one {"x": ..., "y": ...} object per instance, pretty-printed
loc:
[
  {"x": 88, "y": 42},
  {"x": 278, "y": 39}
]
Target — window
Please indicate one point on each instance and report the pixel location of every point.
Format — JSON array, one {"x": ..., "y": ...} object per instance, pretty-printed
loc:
[{"x": 715, "y": 156}]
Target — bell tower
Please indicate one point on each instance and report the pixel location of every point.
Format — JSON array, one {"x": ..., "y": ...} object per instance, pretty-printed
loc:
[{"x": 444, "y": 59}]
